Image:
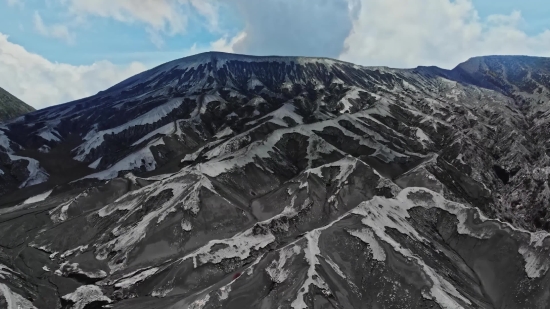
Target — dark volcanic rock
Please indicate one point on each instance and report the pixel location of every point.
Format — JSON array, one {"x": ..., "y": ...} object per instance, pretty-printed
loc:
[{"x": 231, "y": 181}]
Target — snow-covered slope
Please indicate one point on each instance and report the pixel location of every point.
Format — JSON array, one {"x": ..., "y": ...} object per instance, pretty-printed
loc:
[{"x": 231, "y": 181}]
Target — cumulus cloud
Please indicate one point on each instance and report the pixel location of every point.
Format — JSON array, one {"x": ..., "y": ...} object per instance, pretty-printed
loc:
[
  {"x": 226, "y": 44},
  {"x": 433, "y": 32},
  {"x": 57, "y": 31},
  {"x": 41, "y": 83},
  {"x": 297, "y": 27}
]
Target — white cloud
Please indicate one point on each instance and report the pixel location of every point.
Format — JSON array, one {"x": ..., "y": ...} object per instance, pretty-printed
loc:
[
  {"x": 208, "y": 9},
  {"x": 41, "y": 83},
  {"x": 57, "y": 31},
  {"x": 155, "y": 37},
  {"x": 158, "y": 14},
  {"x": 292, "y": 27},
  {"x": 160, "y": 17},
  {"x": 434, "y": 32},
  {"x": 154, "y": 58},
  {"x": 227, "y": 45}
]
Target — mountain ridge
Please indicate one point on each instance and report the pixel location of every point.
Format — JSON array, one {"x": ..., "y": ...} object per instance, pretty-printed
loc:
[
  {"x": 212, "y": 56},
  {"x": 266, "y": 184},
  {"x": 11, "y": 107}
]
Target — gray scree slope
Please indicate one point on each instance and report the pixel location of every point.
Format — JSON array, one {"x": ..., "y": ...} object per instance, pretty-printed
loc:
[
  {"x": 231, "y": 181},
  {"x": 11, "y": 107}
]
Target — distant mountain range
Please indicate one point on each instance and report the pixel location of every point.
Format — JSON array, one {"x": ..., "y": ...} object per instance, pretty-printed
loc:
[
  {"x": 233, "y": 181},
  {"x": 11, "y": 107}
]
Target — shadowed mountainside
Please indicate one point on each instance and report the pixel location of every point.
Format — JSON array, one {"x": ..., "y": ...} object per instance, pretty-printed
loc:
[{"x": 232, "y": 181}]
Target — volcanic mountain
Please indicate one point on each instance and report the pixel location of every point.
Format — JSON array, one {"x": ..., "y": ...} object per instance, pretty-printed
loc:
[
  {"x": 11, "y": 107},
  {"x": 233, "y": 181}
]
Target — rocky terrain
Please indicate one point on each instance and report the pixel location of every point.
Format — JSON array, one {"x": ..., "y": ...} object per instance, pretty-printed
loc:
[
  {"x": 232, "y": 181},
  {"x": 11, "y": 107}
]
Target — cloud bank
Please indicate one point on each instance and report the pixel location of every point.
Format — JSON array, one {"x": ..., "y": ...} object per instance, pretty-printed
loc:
[
  {"x": 41, "y": 83},
  {"x": 434, "y": 32}
]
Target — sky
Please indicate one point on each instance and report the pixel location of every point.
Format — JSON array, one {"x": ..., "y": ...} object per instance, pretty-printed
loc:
[{"x": 55, "y": 51}]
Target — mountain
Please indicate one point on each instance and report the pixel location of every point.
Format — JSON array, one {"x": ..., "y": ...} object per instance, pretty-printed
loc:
[
  {"x": 527, "y": 79},
  {"x": 233, "y": 181},
  {"x": 11, "y": 107}
]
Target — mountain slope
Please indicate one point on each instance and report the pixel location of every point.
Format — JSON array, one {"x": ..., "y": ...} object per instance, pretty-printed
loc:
[
  {"x": 11, "y": 107},
  {"x": 233, "y": 181},
  {"x": 525, "y": 78}
]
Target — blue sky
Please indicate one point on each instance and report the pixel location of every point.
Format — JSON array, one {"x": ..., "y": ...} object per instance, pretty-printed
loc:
[
  {"x": 46, "y": 45},
  {"x": 535, "y": 12},
  {"x": 99, "y": 37}
]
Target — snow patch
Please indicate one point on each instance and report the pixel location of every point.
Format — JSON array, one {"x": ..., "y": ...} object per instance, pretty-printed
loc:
[
  {"x": 206, "y": 99},
  {"x": 288, "y": 110},
  {"x": 48, "y": 131},
  {"x": 38, "y": 198},
  {"x": 536, "y": 263},
  {"x": 337, "y": 269},
  {"x": 95, "y": 139},
  {"x": 224, "y": 292},
  {"x": 5, "y": 142},
  {"x": 59, "y": 214},
  {"x": 164, "y": 130},
  {"x": 50, "y": 135},
  {"x": 253, "y": 83},
  {"x": 186, "y": 225},
  {"x": 95, "y": 164},
  {"x": 73, "y": 251},
  {"x": 5, "y": 271},
  {"x": 185, "y": 188},
  {"x": 85, "y": 295},
  {"x": 68, "y": 268},
  {"x": 380, "y": 214},
  {"x": 240, "y": 246},
  {"x": 311, "y": 252},
  {"x": 131, "y": 281},
  {"x": 44, "y": 149},
  {"x": 37, "y": 175},
  {"x": 353, "y": 94},
  {"x": 422, "y": 137},
  {"x": 460, "y": 159},
  {"x": 14, "y": 300},
  {"x": 276, "y": 270},
  {"x": 143, "y": 158},
  {"x": 200, "y": 303},
  {"x": 223, "y": 133},
  {"x": 367, "y": 237}
]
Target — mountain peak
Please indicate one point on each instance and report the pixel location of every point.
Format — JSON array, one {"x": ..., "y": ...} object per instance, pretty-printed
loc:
[
  {"x": 217, "y": 55},
  {"x": 210, "y": 64},
  {"x": 222, "y": 58},
  {"x": 510, "y": 75},
  {"x": 505, "y": 60},
  {"x": 12, "y": 107}
]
